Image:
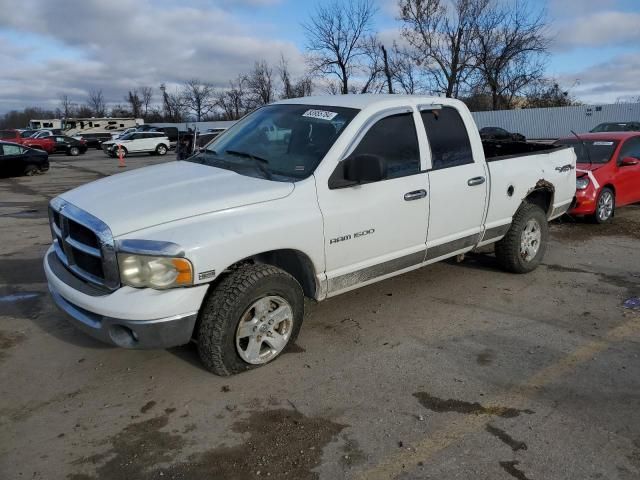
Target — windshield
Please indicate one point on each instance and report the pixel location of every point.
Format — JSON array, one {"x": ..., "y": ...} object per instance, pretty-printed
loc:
[
  {"x": 614, "y": 127},
  {"x": 278, "y": 142},
  {"x": 596, "y": 151}
]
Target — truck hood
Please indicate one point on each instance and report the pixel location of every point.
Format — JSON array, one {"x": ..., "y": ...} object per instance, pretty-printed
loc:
[{"x": 172, "y": 191}]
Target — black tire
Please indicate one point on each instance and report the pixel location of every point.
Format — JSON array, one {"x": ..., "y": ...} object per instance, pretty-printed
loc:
[
  {"x": 31, "y": 170},
  {"x": 73, "y": 151},
  {"x": 161, "y": 149},
  {"x": 225, "y": 306},
  {"x": 604, "y": 215},
  {"x": 509, "y": 250}
]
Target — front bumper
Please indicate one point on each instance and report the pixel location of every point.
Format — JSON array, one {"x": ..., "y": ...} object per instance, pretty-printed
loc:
[
  {"x": 585, "y": 203},
  {"x": 127, "y": 317}
]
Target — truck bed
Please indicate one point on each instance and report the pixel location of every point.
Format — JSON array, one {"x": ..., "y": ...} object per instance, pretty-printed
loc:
[{"x": 500, "y": 150}]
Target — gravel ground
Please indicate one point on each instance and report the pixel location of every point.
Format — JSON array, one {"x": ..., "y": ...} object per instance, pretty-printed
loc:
[{"x": 457, "y": 370}]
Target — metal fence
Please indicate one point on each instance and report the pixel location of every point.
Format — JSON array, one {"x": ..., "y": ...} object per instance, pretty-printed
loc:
[{"x": 557, "y": 122}]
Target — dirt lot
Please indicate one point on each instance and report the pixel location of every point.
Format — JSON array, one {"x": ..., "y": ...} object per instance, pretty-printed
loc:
[{"x": 452, "y": 371}]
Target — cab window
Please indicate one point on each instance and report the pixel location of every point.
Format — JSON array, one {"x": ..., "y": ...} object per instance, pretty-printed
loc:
[{"x": 393, "y": 138}]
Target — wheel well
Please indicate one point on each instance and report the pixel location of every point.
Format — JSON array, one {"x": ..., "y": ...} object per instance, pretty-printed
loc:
[
  {"x": 294, "y": 262},
  {"x": 542, "y": 196},
  {"x": 613, "y": 189}
]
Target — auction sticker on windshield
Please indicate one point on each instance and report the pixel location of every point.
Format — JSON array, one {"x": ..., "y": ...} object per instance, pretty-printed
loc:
[
  {"x": 320, "y": 114},
  {"x": 603, "y": 144}
]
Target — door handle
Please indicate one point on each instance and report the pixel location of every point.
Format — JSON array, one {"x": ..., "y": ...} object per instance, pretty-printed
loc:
[
  {"x": 415, "y": 195},
  {"x": 565, "y": 168},
  {"x": 475, "y": 181}
]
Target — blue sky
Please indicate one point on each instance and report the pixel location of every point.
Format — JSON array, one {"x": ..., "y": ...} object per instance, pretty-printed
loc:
[{"x": 68, "y": 47}]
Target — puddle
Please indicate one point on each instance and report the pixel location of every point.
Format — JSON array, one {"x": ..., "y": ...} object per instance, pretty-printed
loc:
[
  {"x": 440, "y": 405},
  {"x": 280, "y": 444},
  {"x": 486, "y": 357},
  {"x": 16, "y": 297},
  {"x": 581, "y": 230},
  {"x": 506, "y": 438}
]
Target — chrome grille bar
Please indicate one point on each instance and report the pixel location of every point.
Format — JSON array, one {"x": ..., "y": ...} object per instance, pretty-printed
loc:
[{"x": 73, "y": 253}]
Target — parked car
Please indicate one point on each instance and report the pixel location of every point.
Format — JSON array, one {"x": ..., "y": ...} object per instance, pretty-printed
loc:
[
  {"x": 224, "y": 246},
  {"x": 117, "y": 135},
  {"x": 138, "y": 142},
  {"x": 17, "y": 159},
  {"x": 617, "y": 127},
  {"x": 69, "y": 145},
  {"x": 608, "y": 172},
  {"x": 47, "y": 133},
  {"x": 93, "y": 140},
  {"x": 15, "y": 136},
  {"x": 500, "y": 134}
]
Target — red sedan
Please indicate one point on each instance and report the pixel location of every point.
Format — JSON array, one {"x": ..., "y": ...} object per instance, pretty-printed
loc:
[{"x": 608, "y": 172}]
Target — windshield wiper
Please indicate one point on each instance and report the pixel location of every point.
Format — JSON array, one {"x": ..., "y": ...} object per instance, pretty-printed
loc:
[{"x": 258, "y": 161}]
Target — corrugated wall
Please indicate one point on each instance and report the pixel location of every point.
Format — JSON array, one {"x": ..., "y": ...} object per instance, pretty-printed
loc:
[{"x": 557, "y": 122}]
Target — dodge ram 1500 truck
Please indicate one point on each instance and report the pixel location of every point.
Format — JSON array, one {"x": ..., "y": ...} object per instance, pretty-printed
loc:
[{"x": 223, "y": 247}]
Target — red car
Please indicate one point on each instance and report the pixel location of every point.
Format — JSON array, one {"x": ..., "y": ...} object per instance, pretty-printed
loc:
[
  {"x": 608, "y": 172},
  {"x": 46, "y": 144}
]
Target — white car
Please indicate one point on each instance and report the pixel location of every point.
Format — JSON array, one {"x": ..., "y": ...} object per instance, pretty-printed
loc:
[
  {"x": 117, "y": 135},
  {"x": 46, "y": 133},
  {"x": 224, "y": 246},
  {"x": 138, "y": 142}
]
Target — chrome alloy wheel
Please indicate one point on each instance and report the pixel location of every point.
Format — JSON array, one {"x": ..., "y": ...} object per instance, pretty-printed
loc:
[
  {"x": 264, "y": 330},
  {"x": 530, "y": 240},
  {"x": 605, "y": 206}
]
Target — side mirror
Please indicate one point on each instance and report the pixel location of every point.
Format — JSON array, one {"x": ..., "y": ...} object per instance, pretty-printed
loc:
[
  {"x": 365, "y": 168},
  {"x": 629, "y": 162}
]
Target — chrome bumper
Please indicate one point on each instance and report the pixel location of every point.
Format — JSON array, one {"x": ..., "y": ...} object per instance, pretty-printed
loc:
[{"x": 144, "y": 334}]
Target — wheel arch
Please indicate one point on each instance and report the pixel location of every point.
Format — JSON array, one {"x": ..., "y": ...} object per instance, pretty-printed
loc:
[
  {"x": 541, "y": 195},
  {"x": 294, "y": 262}
]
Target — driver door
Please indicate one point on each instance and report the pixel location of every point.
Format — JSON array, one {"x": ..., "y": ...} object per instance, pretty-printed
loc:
[
  {"x": 376, "y": 229},
  {"x": 628, "y": 176}
]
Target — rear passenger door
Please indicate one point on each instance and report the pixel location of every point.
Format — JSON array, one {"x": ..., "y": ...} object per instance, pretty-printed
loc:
[{"x": 458, "y": 192}]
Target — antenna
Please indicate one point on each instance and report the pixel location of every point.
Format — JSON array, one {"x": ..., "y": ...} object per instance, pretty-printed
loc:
[{"x": 584, "y": 145}]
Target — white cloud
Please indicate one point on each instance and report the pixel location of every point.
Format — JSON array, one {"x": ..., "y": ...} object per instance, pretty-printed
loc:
[
  {"x": 601, "y": 29},
  {"x": 607, "y": 81},
  {"x": 129, "y": 43}
]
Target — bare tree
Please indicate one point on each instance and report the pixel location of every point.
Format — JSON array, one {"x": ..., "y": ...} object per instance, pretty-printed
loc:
[
  {"x": 146, "y": 95},
  {"x": 133, "y": 98},
  {"x": 512, "y": 44},
  {"x": 404, "y": 71},
  {"x": 290, "y": 89},
  {"x": 259, "y": 84},
  {"x": 374, "y": 68},
  {"x": 442, "y": 35},
  {"x": 96, "y": 103},
  {"x": 233, "y": 101},
  {"x": 67, "y": 107},
  {"x": 172, "y": 105},
  {"x": 335, "y": 37},
  {"x": 546, "y": 93},
  {"x": 198, "y": 97}
]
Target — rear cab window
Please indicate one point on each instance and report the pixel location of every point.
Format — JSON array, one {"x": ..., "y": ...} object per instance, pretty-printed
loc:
[{"x": 448, "y": 138}]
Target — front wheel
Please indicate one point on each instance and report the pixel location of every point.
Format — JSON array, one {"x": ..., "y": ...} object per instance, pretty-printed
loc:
[
  {"x": 522, "y": 248},
  {"x": 249, "y": 319},
  {"x": 605, "y": 206},
  {"x": 74, "y": 151},
  {"x": 31, "y": 170}
]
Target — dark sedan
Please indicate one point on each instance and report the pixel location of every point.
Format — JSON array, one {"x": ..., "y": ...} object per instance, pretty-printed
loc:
[
  {"x": 500, "y": 135},
  {"x": 69, "y": 145},
  {"x": 20, "y": 160}
]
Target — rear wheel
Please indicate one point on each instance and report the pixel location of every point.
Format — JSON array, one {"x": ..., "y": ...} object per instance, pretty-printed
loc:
[
  {"x": 522, "y": 248},
  {"x": 249, "y": 319},
  {"x": 161, "y": 149},
  {"x": 605, "y": 206},
  {"x": 31, "y": 170}
]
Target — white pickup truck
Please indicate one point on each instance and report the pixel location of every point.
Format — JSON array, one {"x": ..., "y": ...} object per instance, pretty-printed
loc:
[{"x": 223, "y": 247}]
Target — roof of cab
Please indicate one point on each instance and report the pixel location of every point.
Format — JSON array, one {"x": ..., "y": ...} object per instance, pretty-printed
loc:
[{"x": 362, "y": 101}]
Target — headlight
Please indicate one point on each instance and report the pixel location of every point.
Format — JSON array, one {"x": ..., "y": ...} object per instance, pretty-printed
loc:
[
  {"x": 154, "y": 272},
  {"x": 582, "y": 183}
]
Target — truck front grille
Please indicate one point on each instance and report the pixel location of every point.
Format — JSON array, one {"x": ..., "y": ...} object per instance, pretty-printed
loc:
[{"x": 84, "y": 244}]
